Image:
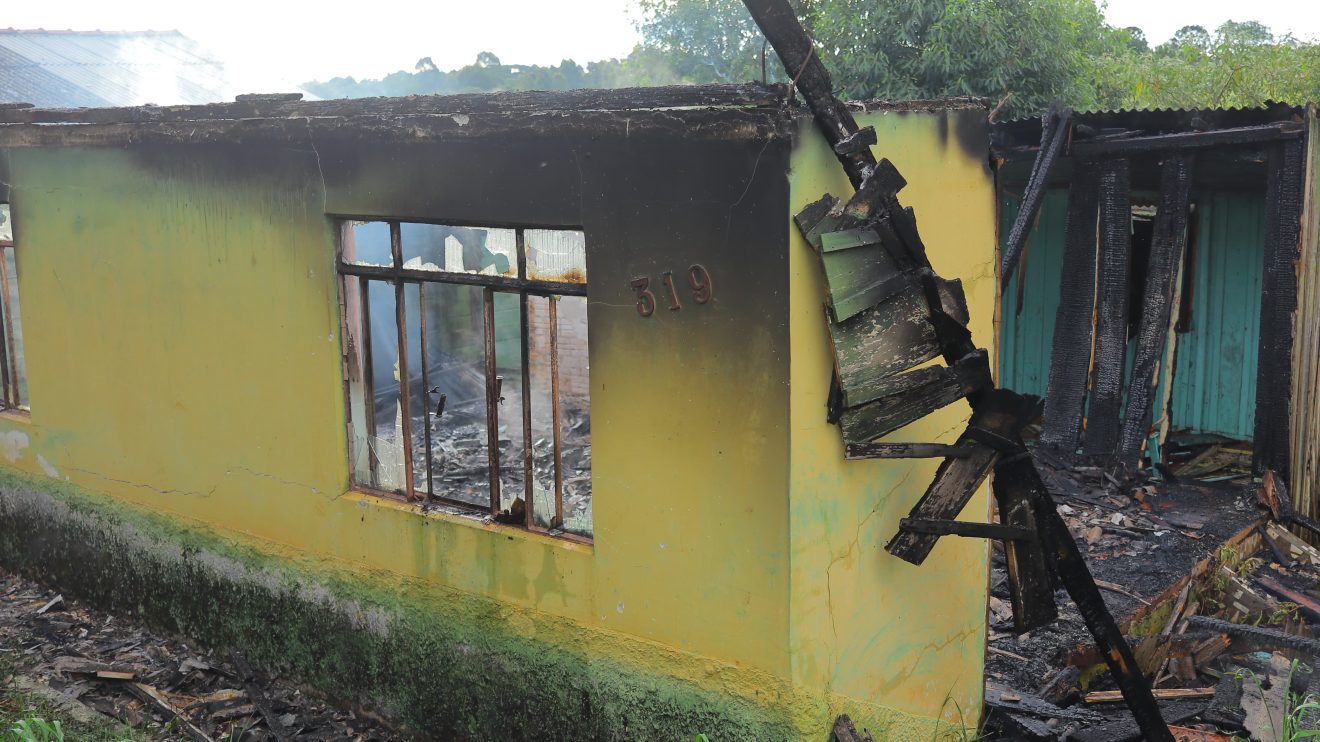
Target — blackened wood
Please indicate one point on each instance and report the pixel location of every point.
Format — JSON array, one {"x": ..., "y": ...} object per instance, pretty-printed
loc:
[
  {"x": 857, "y": 451},
  {"x": 778, "y": 21},
  {"x": 1283, "y": 208},
  {"x": 1030, "y": 578},
  {"x": 997, "y": 531},
  {"x": 1001, "y": 413},
  {"x": 955, "y": 482},
  {"x": 1125, "y": 730},
  {"x": 1070, "y": 358},
  {"x": 1188, "y": 140},
  {"x": 1000, "y": 697},
  {"x": 913, "y": 395},
  {"x": 888, "y": 338},
  {"x": 1054, "y": 133},
  {"x": 1166, "y": 253},
  {"x": 1111, "y": 328},
  {"x": 1073, "y": 574},
  {"x": 856, "y": 142}
]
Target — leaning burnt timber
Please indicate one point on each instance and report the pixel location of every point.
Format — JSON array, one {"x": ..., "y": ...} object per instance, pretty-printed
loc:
[
  {"x": 1053, "y": 133},
  {"x": 998, "y": 416}
]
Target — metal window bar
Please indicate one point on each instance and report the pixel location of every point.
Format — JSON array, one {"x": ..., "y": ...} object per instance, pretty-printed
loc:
[
  {"x": 11, "y": 362},
  {"x": 529, "y": 486},
  {"x": 426, "y": 387},
  {"x": 10, "y": 384},
  {"x": 553, "y": 311},
  {"x": 405, "y": 393},
  {"x": 520, "y": 285}
]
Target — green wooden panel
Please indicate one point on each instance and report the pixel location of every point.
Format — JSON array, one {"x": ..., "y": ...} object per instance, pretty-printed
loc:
[{"x": 1214, "y": 386}]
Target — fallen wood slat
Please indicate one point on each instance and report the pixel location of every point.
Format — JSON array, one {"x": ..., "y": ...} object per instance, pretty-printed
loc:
[
  {"x": 1161, "y": 694},
  {"x": 1291, "y": 545},
  {"x": 258, "y": 695},
  {"x": 1071, "y": 355},
  {"x": 844, "y": 731},
  {"x": 1125, "y": 730},
  {"x": 1166, "y": 255},
  {"x": 954, "y": 483},
  {"x": 1187, "y": 734},
  {"x": 1111, "y": 327},
  {"x": 1304, "y": 602},
  {"x": 1259, "y": 633},
  {"x": 1266, "y": 707},
  {"x": 963, "y": 528},
  {"x": 153, "y": 698},
  {"x": 999, "y": 696}
]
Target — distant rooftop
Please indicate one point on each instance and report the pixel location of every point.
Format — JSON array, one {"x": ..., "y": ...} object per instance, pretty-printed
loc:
[{"x": 71, "y": 69}]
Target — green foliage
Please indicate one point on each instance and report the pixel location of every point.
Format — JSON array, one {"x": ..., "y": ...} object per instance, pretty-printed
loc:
[
  {"x": 1030, "y": 51},
  {"x": 34, "y": 729},
  {"x": 1241, "y": 64}
]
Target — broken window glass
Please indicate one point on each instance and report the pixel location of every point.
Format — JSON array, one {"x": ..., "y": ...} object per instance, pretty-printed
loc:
[
  {"x": 489, "y": 390},
  {"x": 473, "y": 250}
]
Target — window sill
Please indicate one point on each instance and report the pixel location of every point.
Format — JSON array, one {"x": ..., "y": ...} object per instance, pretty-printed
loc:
[
  {"x": 466, "y": 518},
  {"x": 16, "y": 416}
]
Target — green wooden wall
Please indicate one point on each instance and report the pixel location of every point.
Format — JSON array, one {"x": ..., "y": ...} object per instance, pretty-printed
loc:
[{"x": 1215, "y": 370}]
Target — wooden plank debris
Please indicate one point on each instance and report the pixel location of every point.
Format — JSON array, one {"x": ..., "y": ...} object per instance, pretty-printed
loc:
[
  {"x": 1111, "y": 328},
  {"x": 858, "y": 451},
  {"x": 1030, "y": 578},
  {"x": 1161, "y": 694}
]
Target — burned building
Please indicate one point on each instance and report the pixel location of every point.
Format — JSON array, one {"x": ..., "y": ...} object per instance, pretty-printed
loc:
[
  {"x": 497, "y": 414},
  {"x": 1160, "y": 287}
]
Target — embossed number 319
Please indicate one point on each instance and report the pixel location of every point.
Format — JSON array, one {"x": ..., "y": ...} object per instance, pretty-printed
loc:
[{"x": 698, "y": 278}]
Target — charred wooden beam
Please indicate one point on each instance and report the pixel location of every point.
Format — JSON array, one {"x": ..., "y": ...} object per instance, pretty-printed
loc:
[
  {"x": 969, "y": 530},
  {"x": 1072, "y": 572},
  {"x": 1283, "y": 208},
  {"x": 857, "y": 451},
  {"x": 1054, "y": 133},
  {"x": 1030, "y": 576},
  {"x": 1070, "y": 358},
  {"x": 796, "y": 50},
  {"x": 1245, "y": 135},
  {"x": 1111, "y": 328},
  {"x": 1166, "y": 254},
  {"x": 1001, "y": 416}
]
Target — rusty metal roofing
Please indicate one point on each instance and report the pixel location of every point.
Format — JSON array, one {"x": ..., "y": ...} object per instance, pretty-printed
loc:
[{"x": 96, "y": 68}]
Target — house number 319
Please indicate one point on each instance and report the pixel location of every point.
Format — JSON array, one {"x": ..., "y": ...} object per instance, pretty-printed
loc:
[{"x": 698, "y": 279}]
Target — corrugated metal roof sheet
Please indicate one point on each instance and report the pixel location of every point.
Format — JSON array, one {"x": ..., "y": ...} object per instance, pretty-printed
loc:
[
  {"x": 1026, "y": 131},
  {"x": 72, "y": 69}
]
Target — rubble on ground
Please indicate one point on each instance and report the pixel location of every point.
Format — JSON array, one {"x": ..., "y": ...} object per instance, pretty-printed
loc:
[{"x": 166, "y": 688}]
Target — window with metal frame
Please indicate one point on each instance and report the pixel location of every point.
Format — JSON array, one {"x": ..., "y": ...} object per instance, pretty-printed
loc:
[
  {"x": 466, "y": 368},
  {"x": 13, "y": 374}
]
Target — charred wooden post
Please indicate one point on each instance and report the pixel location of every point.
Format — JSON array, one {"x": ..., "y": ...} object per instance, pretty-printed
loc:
[
  {"x": 1053, "y": 134},
  {"x": 1111, "y": 328},
  {"x": 797, "y": 51},
  {"x": 1283, "y": 199},
  {"x": 1166, "y": 254},
  {"x": 1065, "y": 394}
]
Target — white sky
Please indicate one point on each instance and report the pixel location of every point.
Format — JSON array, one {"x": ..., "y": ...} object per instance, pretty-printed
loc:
[{"x": 300, "y": 40}]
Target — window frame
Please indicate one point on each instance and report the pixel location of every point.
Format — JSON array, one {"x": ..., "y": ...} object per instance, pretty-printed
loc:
[
  {"x": 356, "y": 277},
  {"x": 9, "y": 397}
]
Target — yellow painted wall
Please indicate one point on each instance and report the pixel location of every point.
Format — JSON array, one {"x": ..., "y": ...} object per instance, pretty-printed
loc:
[{"x": 867, "y": 627}]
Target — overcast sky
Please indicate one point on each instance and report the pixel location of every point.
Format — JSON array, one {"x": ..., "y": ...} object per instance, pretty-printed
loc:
[{"x": 297, "y": 40}]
